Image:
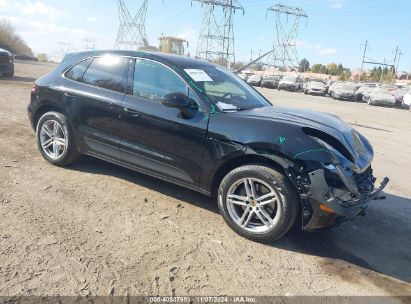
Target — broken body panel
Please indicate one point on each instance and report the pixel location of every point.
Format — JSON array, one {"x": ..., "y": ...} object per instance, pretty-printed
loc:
[{"x": 328, "y": 162}]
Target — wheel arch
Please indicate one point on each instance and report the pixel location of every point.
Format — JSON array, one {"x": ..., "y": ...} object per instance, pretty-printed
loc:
[
  {"x": 47, "y": 106},
  {"x": 242, "y": 160}
]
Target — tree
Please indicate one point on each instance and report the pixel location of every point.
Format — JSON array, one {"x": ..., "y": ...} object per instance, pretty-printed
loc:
[
  {"x": 12, "y": 42},
  {"x": 316, "y": 68},
  {"x": 237, "y": 65},
  {"x": 42, "y": 57},
  {"x": 304, "y": 65},
  {"x": 332, "y": 69}
]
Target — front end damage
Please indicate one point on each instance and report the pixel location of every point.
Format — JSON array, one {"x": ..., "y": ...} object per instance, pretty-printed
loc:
[{"x": 337, "y": 184}]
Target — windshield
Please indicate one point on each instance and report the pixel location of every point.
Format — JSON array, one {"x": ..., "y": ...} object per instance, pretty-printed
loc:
[
  {"x": 381, "y": 91},
  {"x": 272, "y": 78},
  {"x": 290, "y": 78},
  {"x": 346, "y": 87},
  {"x": 225, "y": 90}
]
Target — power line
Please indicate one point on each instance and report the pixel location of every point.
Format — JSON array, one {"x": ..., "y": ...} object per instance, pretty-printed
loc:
[
  {"x": 216, "y": 41},
  {"x": 132, "y": 31},
  {"x": 287, "y": 20}
]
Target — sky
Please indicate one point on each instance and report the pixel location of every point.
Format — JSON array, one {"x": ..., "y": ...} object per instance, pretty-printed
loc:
[{"x": 335, "y": 31}]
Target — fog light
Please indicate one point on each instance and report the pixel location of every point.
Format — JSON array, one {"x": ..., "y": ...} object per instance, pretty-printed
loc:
[{"x": 326, "y": 209}]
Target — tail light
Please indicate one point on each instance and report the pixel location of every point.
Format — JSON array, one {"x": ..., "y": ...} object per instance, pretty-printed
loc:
[{"x": 34, "y": 88}]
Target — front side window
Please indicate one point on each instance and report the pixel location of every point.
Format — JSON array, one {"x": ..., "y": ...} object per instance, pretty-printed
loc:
[
  {"x": 224, "y": 89},
  {"x": 76, "y": 72},
  {"x": 152, "y": 81},
  {"x": 108, "y": 72}
]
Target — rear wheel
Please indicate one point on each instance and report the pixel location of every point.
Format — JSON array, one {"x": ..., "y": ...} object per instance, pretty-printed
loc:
[
  {"x": 55, "y": 139},
  {"x": 258, "y": 202}
]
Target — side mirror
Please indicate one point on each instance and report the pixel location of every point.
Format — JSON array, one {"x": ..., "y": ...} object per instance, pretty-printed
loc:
[{"x": 176, "y": 100}]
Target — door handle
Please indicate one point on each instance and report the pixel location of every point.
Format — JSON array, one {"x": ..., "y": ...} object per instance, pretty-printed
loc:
[{"x": 132, "y": 112}]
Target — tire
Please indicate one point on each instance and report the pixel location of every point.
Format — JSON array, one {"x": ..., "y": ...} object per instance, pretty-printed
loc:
[
  {"x": 46, "y": 131},
  {"x": 282, "y": 212}
]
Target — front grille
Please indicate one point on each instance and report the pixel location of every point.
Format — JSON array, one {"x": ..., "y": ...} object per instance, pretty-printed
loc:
[{"x": 365, "y": 181}]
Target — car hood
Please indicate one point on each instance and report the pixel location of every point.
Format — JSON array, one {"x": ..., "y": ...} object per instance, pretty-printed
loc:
[
  {"x": 324, "y": 122},
  {"x": 343, "y": 91},
  {"x": 384, "y": 97},
  {"x": 316, "y": 86},
  {"x": 287, "y": 82}
]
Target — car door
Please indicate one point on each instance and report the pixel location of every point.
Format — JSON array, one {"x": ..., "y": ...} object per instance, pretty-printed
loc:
[
  {"x": 157, "y": 138},
  {"x": 95, "y": 100}
]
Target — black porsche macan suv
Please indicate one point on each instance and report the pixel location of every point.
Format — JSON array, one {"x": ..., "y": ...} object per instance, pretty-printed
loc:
[{"x": 198, "y": 125}]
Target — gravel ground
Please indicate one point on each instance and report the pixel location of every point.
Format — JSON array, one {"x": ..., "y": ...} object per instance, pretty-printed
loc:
[{"x": 95, "y": 228}]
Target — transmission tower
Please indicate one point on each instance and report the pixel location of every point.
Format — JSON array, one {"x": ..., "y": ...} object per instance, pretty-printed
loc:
[
  {"x": 132, "y": 31},
  {"x": 216, "y": 41},
  {"x": 287, "y": 21}
]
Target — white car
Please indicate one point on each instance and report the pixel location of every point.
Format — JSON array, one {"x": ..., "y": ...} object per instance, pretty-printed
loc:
[
  {"x": 291, "y": 83},
  {"x": 407, "y": 99},
  {"x": 315, "y": 87},
  {"x": 381, "y": 97}
]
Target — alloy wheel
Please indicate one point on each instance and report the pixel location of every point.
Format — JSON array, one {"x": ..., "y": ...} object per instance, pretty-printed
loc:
[
  {"x": 53, "y": 139},
  {"x": 253, "y": 205}
]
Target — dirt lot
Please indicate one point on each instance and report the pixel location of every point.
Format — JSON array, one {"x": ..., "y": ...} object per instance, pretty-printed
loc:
[{"x": 99, "y": 229}]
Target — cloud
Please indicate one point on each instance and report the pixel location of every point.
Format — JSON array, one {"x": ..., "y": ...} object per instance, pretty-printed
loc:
[
  {"x": 38, "y": 8},
  {"x": 4, "y": 3},
  {"x": 318, "y": 48},
  {"x": 43, "y": 36},
  {"x": 91, "y": 19},
  {"x": 327, "y": 51},
  {"x": 337, "y": 5}
]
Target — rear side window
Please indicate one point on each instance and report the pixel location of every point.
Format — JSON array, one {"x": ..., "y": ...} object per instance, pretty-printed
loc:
[
  {"x": 76, "y": 72},
  {"x": 108, "y": 72}
]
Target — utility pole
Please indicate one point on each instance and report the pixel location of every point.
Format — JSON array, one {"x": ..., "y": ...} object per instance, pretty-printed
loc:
[
  {"x": 382, "y": 72},
  {"x": 132, "y": 30},
  {"x": 287, "y": 20},
  {"x": 398, "y": 60},
  {"x": 216, "y": 42},
  {"x": 363, "y": 58}
]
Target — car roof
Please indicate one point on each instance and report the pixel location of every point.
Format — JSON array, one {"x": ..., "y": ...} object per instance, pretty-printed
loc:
[
  {"x": 168, "y": 59},
  {"x": 3, "y": 50}
]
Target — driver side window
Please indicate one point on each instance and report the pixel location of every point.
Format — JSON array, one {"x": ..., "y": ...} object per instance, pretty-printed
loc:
[{"x": 152, "y": 81}]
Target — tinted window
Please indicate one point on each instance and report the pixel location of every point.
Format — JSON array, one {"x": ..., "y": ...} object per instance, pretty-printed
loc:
[
  {"x": 153, "y": 80},
  {"x": 109, "y": 72},
  {"x": 76, "y": 72},
  {"x": 226, "y": 90}
]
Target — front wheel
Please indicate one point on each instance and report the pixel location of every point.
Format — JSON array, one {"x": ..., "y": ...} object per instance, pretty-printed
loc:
[
  {"x": 258, "y": 202},
  {"x": 55, "y": 139}
]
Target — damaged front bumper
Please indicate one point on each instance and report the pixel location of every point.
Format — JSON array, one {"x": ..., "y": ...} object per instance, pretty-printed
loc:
[{"x": 334, "y": 206}]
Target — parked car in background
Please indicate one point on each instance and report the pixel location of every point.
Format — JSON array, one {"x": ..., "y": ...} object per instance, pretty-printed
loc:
[
  {"x": 366, "y": 93},
  {"x": 6, "y": 63},
  {"x": 315, "y": 87},
  {"x": 290, "y": 83},
  {"x": 360, "y": 92},
  {"x": 379, "y": 96},
  {"x": 25, "y": 57},
  {"x": 407, "y": 99},
  {"x": 399, "y": 97},
  {"x": 255, "y": 80},
  {"x": 270, "y": 82},
  {"x": 245, "y": 75},
  {"x": 328, "y": 84},
  {"x": 343, "y": 91}
]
